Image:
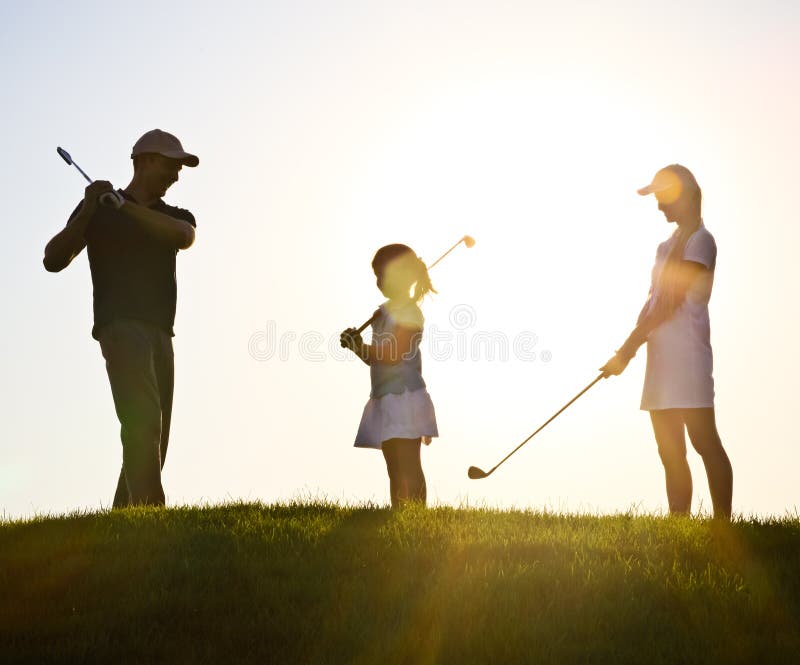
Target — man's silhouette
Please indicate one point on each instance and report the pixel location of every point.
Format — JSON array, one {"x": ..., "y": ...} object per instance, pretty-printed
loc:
[{"x": 132, "y": 259}]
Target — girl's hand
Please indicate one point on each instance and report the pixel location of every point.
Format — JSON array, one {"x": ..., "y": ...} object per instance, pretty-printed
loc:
[{"x": 351, "y": 339}]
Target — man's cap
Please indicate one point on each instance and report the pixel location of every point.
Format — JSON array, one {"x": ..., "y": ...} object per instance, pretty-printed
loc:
[
  {"x": 163, "y": 143},
  {"x": 670, "y": 182}
]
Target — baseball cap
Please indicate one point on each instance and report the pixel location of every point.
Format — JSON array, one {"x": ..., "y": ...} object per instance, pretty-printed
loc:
[
  {"x": 670, "y": 182},
  {"x": 163, "y": 143}
]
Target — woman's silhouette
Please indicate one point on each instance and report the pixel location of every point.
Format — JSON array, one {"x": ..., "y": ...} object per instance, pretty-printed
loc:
[{"x": 679, "y": 387}]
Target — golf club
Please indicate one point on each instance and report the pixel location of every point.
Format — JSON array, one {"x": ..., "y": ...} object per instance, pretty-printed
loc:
[
  {"x": 109, "y": 198},
  {"x": 468, "y": 241},
  {"x": 475, "y": 473}
]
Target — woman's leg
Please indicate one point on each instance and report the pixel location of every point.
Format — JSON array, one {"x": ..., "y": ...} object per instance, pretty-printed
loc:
[
  {"x": 669, "y": 432},
  {"x": 702, "y": 427},
  {"x": 403, "y": 462}
]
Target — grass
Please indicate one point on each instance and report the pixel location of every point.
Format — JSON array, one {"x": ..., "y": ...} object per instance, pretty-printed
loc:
[{"x": 317, "y": 583}]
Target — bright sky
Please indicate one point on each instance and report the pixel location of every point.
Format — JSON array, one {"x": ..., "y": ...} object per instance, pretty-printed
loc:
[{"x": 326, "y": 130}]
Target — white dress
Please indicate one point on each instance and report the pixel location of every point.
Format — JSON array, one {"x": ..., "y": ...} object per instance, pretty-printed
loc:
[
  {"x": 680, "y": 362},
  {"x": 402, "y": 412},
  {"x": 408, "y": 415}
]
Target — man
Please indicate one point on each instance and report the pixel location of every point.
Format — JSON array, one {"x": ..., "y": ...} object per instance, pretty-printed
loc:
[{"x": 132, "y": 251}]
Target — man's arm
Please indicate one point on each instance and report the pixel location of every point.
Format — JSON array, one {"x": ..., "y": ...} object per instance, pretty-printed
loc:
[
  {"x": 175, "y": 233},
  {"x": 70, "y": 241}
]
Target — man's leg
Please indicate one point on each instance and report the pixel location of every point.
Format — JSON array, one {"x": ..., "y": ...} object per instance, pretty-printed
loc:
[
  {"x": 165, "y": 376},
  {"x": 164, "y": 365},
  {"x": 669, "y": 431},
  {"x": 702, "y": 427},
  {"x": 128, "y": 349},
  {"x": 122, "y": 497}
]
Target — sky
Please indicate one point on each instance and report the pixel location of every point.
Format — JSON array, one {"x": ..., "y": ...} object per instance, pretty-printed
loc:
[{"x": 328, "y": 129}]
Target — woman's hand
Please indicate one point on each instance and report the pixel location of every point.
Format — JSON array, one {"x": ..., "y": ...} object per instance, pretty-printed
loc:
[
  {"x": 615, "y": 366},
  {"x": 351, "y": 339}
]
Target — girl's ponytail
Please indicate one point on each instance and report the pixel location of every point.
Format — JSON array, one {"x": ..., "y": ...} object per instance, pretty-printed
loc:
[{"x": 423, "y": 286}]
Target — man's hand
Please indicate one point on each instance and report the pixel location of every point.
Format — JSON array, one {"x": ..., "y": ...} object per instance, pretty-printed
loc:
[
  {"x": 615, "y": 366},
  {"x": 92, "y": 194}
]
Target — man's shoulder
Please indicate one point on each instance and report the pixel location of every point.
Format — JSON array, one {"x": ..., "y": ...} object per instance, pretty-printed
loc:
[{"x": 178, "y": 213}]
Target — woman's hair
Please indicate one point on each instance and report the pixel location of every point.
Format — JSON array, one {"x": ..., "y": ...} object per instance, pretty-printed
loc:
[
  {"x": 670, "y": 274},
  {"x": 418, "y": 271}
]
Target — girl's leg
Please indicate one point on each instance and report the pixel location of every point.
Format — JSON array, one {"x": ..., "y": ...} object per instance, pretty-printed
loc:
[
  {"x": 403, "y": 462},
  {"x": 669, "y": 432},
  {"x": 391, "y": 453},
  {"x": 702, "y": 427},
  {"x": 412, "y": 469}
]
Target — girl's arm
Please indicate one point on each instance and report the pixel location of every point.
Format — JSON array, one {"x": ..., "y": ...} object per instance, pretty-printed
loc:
[
  {"x": 386, "y": 349},
  {"x": 392, "y": 348}
]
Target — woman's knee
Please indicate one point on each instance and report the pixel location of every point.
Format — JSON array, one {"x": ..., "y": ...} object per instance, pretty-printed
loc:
[
  {"x": 702, "y": 427},
  {"x": 669, "y": 435},
  {"x": 672, "y": 456}
]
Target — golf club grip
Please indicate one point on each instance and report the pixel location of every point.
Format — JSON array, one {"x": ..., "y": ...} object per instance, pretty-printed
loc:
[
  {"x": 549, "y": 420},
  {"x": 111, "y": 200}
]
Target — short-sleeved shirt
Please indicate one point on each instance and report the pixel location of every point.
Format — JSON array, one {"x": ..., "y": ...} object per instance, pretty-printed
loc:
[
  {"x": 680, "y": 361},
  {"x": 133, "y": 273},
  {"x": 406, "y": 374}
]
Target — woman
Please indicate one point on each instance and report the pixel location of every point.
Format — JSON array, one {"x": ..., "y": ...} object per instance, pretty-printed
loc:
[{"x": 678, "y": 387}]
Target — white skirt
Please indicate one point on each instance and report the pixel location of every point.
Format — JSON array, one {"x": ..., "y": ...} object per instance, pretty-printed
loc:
[
  {"x": 409, "y": 415},
  {"x": 678, "y": 376}
]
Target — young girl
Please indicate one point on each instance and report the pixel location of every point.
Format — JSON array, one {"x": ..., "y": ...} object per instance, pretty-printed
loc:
[{"x": 399, "y": 415}]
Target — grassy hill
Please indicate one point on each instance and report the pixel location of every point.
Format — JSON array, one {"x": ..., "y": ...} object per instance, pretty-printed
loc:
[{"x": 317, "y": 583}]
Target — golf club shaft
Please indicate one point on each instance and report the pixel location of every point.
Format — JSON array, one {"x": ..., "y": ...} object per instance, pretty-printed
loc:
[
  {"x": 366, "y": 323},
  {"x": 83, "y": 173},
  {"x": 108, "y": 198},
  {"x": 445, "y": 254},
  {"x": 550, "y": 420}
]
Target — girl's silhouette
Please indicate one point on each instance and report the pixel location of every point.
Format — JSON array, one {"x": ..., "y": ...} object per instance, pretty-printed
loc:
[{"x": 399, "y": 415}]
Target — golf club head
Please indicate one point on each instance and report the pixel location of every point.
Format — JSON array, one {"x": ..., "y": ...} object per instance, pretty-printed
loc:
[
  {"x": 469, "y": 241},
  {"x": 64, "y": 155},
  {"x": 475, "y": 473}
]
